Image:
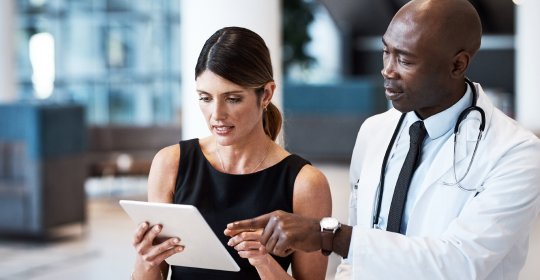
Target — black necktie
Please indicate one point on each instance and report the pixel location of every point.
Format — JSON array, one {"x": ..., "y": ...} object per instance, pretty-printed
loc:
[{"x": 417, "y": 131}]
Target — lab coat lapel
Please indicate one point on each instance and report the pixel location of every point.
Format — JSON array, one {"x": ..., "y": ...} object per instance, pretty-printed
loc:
[
  {"x": 443, "y": 162},
  {"x": 371, "y": 172},
  {"x": 368, "y": 186}
]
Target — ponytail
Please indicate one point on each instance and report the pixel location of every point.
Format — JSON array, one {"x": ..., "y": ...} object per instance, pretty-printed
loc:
[{"x": 272, "y": 121}]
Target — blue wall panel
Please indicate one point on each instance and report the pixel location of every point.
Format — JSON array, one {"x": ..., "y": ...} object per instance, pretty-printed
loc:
[
  {"x": 351, "y": 97},
  {"x": 48, "y": 130}
]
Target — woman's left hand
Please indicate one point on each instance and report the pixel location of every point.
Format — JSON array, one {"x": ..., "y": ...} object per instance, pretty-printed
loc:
[{"x": 248, "y": 245}]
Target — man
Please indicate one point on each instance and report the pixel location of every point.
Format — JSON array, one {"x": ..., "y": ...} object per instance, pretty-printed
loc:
[{"x": 415, "y": 222}]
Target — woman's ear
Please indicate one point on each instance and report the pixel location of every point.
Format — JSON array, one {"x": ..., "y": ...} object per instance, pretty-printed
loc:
[{"x": 269, "y": 89}]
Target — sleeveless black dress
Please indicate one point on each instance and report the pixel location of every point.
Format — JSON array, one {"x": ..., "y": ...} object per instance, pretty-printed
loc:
[{"x": 223, "y": 198}]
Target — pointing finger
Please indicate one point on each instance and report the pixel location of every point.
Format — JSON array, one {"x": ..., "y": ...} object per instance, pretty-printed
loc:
[
  {"x": 259, "y": 222},
  {"x": 233, "y": 233}
]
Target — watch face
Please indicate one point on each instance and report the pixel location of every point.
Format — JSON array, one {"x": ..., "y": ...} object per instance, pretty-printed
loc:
[{"x": 329, "y": 223}]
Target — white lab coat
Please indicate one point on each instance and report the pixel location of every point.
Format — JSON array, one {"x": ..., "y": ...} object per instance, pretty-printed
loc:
[{"x": 451, "y": 234}]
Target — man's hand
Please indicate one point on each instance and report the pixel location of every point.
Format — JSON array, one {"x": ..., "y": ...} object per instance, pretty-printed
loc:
[{"x": 284, "y": 232}]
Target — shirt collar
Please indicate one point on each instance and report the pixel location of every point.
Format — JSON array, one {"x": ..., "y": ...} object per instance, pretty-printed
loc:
[{"x": 439, "y": 124}]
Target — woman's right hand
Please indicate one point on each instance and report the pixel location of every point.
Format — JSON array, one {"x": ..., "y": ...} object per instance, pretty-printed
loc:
[
  {"x": 248, "y": 245},
  {"x": 150, "y": 253}
]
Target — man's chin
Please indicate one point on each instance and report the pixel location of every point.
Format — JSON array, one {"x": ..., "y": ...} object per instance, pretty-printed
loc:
[{"x": 403, "y": 108}]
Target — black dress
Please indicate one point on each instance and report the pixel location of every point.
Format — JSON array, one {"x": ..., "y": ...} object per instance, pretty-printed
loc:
[{"x": 223, "y": 198}]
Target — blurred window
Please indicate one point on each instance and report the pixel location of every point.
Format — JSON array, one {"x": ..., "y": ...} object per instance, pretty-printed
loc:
[{"x": 120, "y": 58}]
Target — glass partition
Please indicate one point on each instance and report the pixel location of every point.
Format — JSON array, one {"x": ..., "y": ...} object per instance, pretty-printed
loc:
[{"x": 119, "y": 58}]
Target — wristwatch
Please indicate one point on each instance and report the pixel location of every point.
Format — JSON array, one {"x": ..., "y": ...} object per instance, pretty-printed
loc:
[{"x": 328, "y": 228}]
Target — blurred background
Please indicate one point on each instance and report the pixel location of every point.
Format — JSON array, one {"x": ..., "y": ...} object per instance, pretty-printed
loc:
[{"x": 90, "y": 90}]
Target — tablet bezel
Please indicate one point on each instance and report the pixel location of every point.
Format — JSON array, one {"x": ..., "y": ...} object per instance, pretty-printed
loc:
[{"x": 202, "y": 247}]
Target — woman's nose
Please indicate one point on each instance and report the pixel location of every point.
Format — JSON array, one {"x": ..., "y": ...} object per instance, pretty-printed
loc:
[{"x": 219, "y": 112}]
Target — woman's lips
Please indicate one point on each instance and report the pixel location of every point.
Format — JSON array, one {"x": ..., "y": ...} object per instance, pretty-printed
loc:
[
  {"x": 223, "y": 130},
  {"x": 392, "y": 94}
]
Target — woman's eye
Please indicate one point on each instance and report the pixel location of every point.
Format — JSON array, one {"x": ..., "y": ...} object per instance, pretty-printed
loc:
[
  {"x": 205, "y": 99},
  {"x": 234, "y": 100}
]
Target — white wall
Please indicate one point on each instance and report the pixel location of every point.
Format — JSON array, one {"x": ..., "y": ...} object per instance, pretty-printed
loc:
[
  {"x": 199, "y": 20},
  {"x": 528, "y": 64},
  {"x": 8, "y": 73}
]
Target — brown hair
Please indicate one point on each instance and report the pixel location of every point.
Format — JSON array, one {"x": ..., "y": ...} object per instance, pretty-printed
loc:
[{"x": 241, "y": 56}]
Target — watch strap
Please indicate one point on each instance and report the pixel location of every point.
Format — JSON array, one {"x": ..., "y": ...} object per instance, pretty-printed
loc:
[{"x": 327, "y": 240}]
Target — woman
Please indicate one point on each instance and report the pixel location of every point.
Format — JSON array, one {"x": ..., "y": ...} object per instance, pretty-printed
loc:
[{"x": 237, "y": 173}]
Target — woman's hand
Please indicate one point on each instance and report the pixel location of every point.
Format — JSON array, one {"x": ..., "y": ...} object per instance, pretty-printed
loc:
[
  {"x": 150, "y": 253},
  {"x": 248, "y": 245}
]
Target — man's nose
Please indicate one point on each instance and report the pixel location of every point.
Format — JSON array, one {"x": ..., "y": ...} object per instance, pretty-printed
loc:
[{"x": 388, "y": 70}]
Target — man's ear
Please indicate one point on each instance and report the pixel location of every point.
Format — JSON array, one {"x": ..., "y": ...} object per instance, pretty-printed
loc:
[
  {"x": 269, "y": 89},
  {"x": 460, "y": 63}
]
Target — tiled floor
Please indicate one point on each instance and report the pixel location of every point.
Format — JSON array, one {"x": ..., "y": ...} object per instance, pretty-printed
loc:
[{"x": 104, "y": 251}]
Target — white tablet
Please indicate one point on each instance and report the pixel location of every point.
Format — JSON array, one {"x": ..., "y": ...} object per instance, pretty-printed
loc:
[{"x": 202, "y": 247}]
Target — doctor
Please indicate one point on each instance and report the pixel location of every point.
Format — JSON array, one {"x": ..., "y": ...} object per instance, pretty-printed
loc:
[{"x": 409, "y": 218}]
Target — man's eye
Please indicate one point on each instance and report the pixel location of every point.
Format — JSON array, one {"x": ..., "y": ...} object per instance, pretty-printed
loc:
[{"x": 404, "y": 63}]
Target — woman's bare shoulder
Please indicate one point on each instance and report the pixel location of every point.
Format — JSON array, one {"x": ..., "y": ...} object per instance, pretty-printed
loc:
[
  {"x": 311, "y": 179},
  {"x": 162, "y": 177},
  {"x": 312, "y": 195},
  {"x": 167, "y": 158}
]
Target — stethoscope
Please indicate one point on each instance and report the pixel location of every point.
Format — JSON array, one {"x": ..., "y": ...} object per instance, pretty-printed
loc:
[{"x": 457, "y": 182}]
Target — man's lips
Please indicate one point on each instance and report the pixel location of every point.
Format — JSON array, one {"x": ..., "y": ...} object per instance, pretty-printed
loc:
[{"x": 393, "y": 93}]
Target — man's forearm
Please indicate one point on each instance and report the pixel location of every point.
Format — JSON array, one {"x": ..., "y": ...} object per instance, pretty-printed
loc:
[{"x": 342, "y": 241}]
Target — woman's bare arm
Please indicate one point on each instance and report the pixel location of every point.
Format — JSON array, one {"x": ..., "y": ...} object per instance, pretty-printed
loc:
[
  {"x": 161, "y": 186},
  {"x": 311, "y": 198},
  {"x": 162, "y": 178}
]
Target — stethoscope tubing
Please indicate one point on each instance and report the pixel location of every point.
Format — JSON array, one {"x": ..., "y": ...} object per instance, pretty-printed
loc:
[{"x": 461, "y": 117}]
